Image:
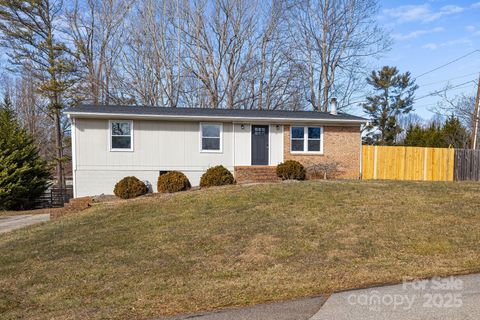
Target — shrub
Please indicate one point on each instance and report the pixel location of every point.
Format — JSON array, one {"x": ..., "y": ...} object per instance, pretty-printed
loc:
[
  {"x": 173, "y": 181},
  {"x": 216, "y": 176},
  {"x": 328, "y": 169},
  {"x": 291, "y": 169},
  {"x": 129, "y": 187}
]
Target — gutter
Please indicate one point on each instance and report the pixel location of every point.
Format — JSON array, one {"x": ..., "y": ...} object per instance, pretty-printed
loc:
[{"x": 73, "y": 114}]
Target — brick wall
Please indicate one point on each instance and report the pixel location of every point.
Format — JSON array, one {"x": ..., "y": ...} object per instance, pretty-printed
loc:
[
  {"x": 340, "y": 144},
  {"x": 253, "y": 174}
]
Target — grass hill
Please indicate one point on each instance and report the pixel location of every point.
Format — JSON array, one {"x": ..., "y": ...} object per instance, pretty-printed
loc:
[{"x": 237, "y": 245}]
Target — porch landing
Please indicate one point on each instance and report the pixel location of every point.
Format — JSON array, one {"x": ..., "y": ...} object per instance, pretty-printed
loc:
[{"x": 255, "y": 174}]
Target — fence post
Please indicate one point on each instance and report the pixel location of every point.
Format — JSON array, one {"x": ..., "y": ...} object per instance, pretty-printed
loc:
[
  {"x": 425, "y": 163},
  {"x": 375, "y": 162}
]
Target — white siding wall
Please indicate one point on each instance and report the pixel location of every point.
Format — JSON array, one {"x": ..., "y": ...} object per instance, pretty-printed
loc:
[
  {"x": 243, "y": 151},
  {"x": 157, "y": 145},
  {"x": 276, "y": 145}
]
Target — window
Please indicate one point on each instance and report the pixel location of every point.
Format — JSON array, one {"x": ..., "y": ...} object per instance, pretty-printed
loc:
[
  {"x": 306, "y": 139},
  {"x": 298, "y": 138},
  {"x": 121, "y": 134},
  {"x": 211, "y": 137},
  {"x": 314, "y": 134}
]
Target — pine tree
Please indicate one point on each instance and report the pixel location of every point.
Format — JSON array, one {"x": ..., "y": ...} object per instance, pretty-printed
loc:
[
  {"x": 23, "y": 174},
  {"x": 30, "y": 32},
  {"x": 394, "y": 96}
]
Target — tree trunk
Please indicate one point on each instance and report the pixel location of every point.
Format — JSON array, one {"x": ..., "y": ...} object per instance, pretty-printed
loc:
[{"x": 59, "y": 152}]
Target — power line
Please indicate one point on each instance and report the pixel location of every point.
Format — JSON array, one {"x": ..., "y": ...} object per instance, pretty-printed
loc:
[
  {"x": 461, "y": 85},
  {"x": 449, "y": 87},
  {"x": 447, "y": 80},
  {"x": 433, "y": 70},
  {"x": 420, "y": 86},
  {"x": 448, "y": 63}
]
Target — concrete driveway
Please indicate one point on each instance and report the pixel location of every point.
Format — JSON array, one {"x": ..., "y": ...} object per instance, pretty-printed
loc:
[
  {"x": 9, "y": 223},
  {"x": 453, "y": 298}
]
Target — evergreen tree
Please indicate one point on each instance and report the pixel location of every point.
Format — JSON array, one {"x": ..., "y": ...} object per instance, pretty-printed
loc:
[
  {"x": 394, "y": 96},
  {"x": 456, "y": 136},
  {"x": 449, "y": 135},
  {"x": 415, "y": 136},
  {"x": 23, "y": 174},
  {"x": 431, "y": 136}
]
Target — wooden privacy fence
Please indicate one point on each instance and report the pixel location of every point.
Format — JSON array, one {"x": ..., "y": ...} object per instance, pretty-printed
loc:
[
  {"x": 407, "y": 163},
  {"x": 467, "y": 165}
]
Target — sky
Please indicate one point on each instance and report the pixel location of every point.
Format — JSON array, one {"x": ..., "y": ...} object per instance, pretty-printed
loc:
[{"x": 428, "y": 34}]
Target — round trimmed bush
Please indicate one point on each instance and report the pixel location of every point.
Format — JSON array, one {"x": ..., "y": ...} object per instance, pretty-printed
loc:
[
  {"x": 130, "y": 187},
  {"x": 291, "y": 170},
  {"x": 216, "y": 176},
  {"x": 173, "y": 181}
]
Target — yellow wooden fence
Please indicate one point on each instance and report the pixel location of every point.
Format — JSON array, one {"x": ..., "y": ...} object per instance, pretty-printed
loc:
[{"x": 407, "y": 163}]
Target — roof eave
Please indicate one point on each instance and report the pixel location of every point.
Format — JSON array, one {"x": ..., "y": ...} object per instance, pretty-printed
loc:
[{"x": 97, "y": 115}]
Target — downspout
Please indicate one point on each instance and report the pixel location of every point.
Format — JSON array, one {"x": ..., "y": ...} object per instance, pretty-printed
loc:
[
  {"x": 361, "y": 152},
  {"x": 234, "y": 146},
  {"x": 74, "y": 155}
]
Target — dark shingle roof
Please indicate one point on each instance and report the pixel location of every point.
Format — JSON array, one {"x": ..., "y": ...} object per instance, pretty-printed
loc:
[{"x": 204, "y": 112}]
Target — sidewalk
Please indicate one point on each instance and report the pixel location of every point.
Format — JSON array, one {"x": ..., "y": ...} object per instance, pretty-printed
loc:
[
  {"x": 301, "y": 309},
  {"x": 453, "y": 298}
]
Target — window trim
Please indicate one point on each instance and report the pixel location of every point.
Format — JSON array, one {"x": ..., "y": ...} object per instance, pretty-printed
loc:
[
  {"x": 201, "y": 137},
  {"x": 111, "y": 149},
  {"x": 305, "y": 139}
]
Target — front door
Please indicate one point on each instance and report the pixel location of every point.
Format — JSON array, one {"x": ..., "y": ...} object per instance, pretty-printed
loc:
[{"x": 259, "y": 145}]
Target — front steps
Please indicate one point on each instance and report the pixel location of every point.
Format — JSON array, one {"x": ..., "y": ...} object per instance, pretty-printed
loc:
[
  {"x": 72, "y": 206},
  {"x": 255, "y": 174}
]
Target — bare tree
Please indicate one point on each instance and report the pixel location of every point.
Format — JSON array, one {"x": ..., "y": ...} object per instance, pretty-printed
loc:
[
  {"x": 273, "y": 78},
  {"x": 31, "y": 111},
  {"x": 221, "y": 40},
  {"x": 225, "y": 53},
  {"x": 96, "y": 29},
  {"x": 154, "y": 53},
  {"x": 334, "y": 37}
]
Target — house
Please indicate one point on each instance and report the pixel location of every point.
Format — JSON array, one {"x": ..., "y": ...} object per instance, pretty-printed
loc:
[{"x": 111, "y": 142}]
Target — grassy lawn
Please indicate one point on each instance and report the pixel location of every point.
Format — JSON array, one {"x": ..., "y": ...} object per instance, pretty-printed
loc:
[{"x": 235, "y": 246}]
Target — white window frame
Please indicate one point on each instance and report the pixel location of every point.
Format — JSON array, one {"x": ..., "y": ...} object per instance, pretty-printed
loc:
[
  {"x": 201, "y": 137},
  {"x": 110, "y": 123},
  {"x": 305, "y": 140}
]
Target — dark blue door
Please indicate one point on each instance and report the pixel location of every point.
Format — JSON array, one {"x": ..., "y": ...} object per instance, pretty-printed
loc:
[{"x": 259, "y": 145}]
